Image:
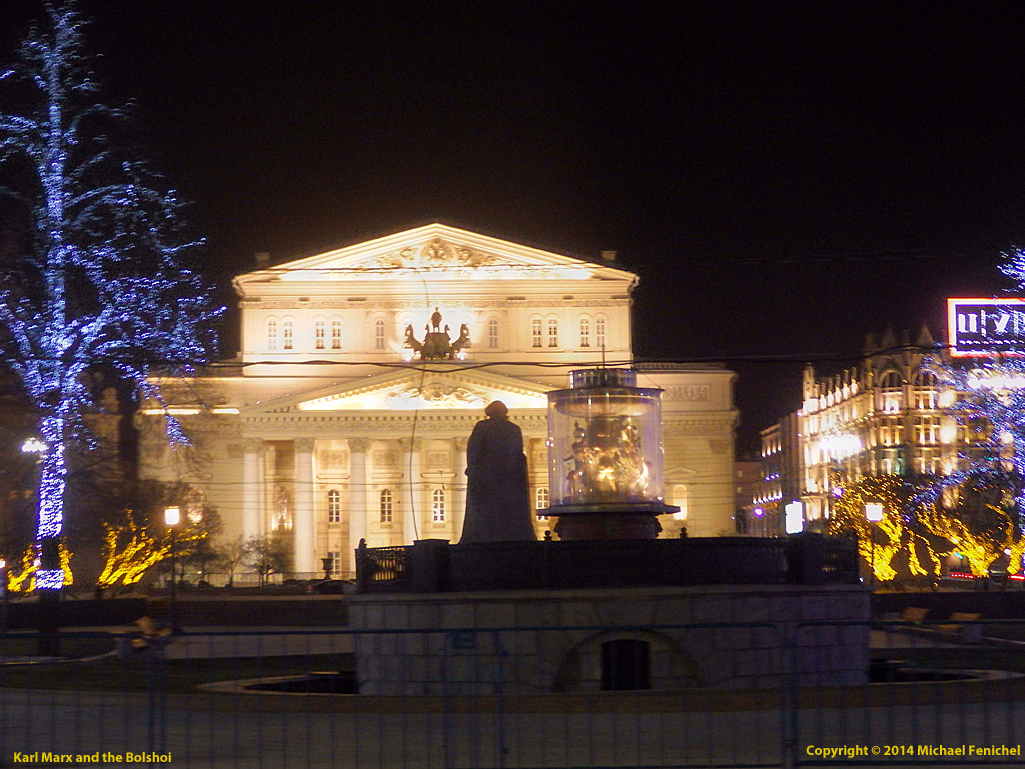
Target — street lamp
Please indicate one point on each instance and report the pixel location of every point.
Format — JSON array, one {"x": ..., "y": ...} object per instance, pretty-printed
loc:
[
  {"x": 172, "y": 516},
  {"x": 874, "y": 513}
]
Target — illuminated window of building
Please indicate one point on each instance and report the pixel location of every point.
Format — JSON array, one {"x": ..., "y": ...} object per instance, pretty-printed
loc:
[
  {"x": 287, "y": 333},
  {"x": 927, "y": 462},
  {"x": 336, "y": 334},
  {"x": 319, "y": 334},
  {"x": 541, "y": 502},
  {"x": 680, "y": 499},
  {"x": 890, "y": 385},
  {"x": 889, "y": 463},
  {"x": 535, "y": 332},
  {"x": 925, "y": 390},
  {"x": 927, "y": 431},
  {"x": 334, "y": 506},
  {"x": 386, "y": 505},
  {"x": 890, "y": 429},
  {"x": 553, "y": 332},
  {"x": 272, "y": 333},
  {"x": 438, "y": 506},
  {"x": 493, "y": 333},
  {"x": 585, "y": 332},
  {"x": 335, "y": 559},
  {"x": 379, "y": 334},
  {"x": 599, "y": 332}
]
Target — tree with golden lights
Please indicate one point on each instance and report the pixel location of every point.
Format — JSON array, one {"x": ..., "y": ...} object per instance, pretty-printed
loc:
[
  {"x": 916, "y": 534},
  {"x": 896, "y": 548}
]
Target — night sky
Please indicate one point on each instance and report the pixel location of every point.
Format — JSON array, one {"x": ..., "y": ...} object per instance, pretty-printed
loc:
[{"x": 785, "y": 178}]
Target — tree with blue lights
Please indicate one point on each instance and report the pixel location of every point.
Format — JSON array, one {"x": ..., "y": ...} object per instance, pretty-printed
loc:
[
  {"x": 95, "y": 277},
  {"x": 990, "y": 404}
]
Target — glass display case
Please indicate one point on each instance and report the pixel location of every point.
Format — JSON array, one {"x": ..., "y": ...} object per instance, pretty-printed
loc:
[{"x": 605, "y": 444}]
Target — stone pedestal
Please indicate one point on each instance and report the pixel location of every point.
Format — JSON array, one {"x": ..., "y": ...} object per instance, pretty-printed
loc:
[
  {"x": 533, "y": 642},
  {"x": 619, "y": 521}
]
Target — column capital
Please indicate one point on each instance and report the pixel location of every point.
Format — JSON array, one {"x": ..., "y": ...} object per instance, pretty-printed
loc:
[
  {"x": 411, "y": 444},
  {"x": 359, "y": 445},
  {"x": 461, "y": 443},
  {"x": 252, "y": 445},
  {"x": 304, "y": 445}
]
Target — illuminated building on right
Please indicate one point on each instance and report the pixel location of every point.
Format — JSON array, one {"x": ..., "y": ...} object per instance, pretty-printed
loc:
[
  {"x": 885, "y": 416},
  {"x": 882, "y": 417}
]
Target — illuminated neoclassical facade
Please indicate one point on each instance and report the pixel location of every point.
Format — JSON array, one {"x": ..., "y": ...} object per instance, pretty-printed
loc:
[{"x": 364, "y": 369}]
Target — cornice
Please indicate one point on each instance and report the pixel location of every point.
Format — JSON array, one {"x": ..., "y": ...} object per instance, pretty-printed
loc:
[{"x": 418, "y": 304}]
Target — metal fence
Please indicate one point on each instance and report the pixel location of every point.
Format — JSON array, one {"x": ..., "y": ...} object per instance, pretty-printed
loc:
[{"x": 935, "y": 694}]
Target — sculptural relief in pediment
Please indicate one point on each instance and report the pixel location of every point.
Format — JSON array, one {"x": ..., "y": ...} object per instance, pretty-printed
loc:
[
  {"x": 435, "y": 253},
  {"x": 435, "y": 395}
]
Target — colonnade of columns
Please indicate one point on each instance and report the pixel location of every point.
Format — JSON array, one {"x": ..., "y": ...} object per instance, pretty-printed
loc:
[{"x": 360, "y": 502}]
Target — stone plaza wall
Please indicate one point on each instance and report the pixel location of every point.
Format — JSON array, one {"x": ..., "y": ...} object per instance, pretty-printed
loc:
[{"x": 524, "y": 642}]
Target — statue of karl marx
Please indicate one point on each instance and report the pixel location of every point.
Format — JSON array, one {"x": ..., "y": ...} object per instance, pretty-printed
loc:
[{"x": 497, "y": 498}]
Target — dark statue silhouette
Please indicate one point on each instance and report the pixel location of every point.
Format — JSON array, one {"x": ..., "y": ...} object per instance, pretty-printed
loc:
[{"x": 497, "y": 497}]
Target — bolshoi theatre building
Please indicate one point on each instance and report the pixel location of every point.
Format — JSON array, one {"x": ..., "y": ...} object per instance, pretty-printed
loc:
[{"x": 363, "y": 370}]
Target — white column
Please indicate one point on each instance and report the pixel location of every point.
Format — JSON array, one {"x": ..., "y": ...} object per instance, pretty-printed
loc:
[
  {"x": 459, "y": 489},
  {"x": 303, "y": 527},
  {"x": 358, "y": 496},
  {"x": 251, "y": 487},
  {"x": 412, "y": 511}
]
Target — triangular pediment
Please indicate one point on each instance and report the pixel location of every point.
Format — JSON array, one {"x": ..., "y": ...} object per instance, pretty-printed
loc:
[
  {"x": 412, "y": 390},
  {"x": 435, "y": 249}
]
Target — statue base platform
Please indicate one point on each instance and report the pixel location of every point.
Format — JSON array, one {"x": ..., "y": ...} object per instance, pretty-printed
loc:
[{"x": 609, "y": 521}]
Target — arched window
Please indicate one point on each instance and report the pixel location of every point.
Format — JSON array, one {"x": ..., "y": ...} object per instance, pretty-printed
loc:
[
  {"x": 319, "y": 334},
  {"x": 890, "y": 380},
  {"x": 336, "y": 334},
  {"x": 535, "y": 332},
  {"x": 386, "y": 502},
  {"x": 680, "y": 499},
  {"x": 438, "y": 506},
  {"x": 334, "y": 506},
  {"x": 585, "y": 332},
  {"x": 379, "y": 334},
  {"x": 287, "y": 334},
  {"x": 272, "y": 333},
  {"x": 599, "y": 332},
  {"x": 890, "y": 385},
  {"x": 541, "y": 503},
  {"x": 493, "y": 333},
  {"x": 553, "y": 332}
]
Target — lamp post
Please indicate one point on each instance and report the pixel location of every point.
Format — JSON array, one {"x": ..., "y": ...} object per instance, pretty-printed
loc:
[
  {"x": 172, "y": 515},
  {"x": 874, "y": 514}
]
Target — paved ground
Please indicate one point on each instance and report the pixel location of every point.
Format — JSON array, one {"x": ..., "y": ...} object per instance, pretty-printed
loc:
[{"x": 208, "y": 733}]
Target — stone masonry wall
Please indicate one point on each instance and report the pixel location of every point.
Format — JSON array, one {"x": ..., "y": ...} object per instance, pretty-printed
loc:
[{"x": 537, "y": 642}]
